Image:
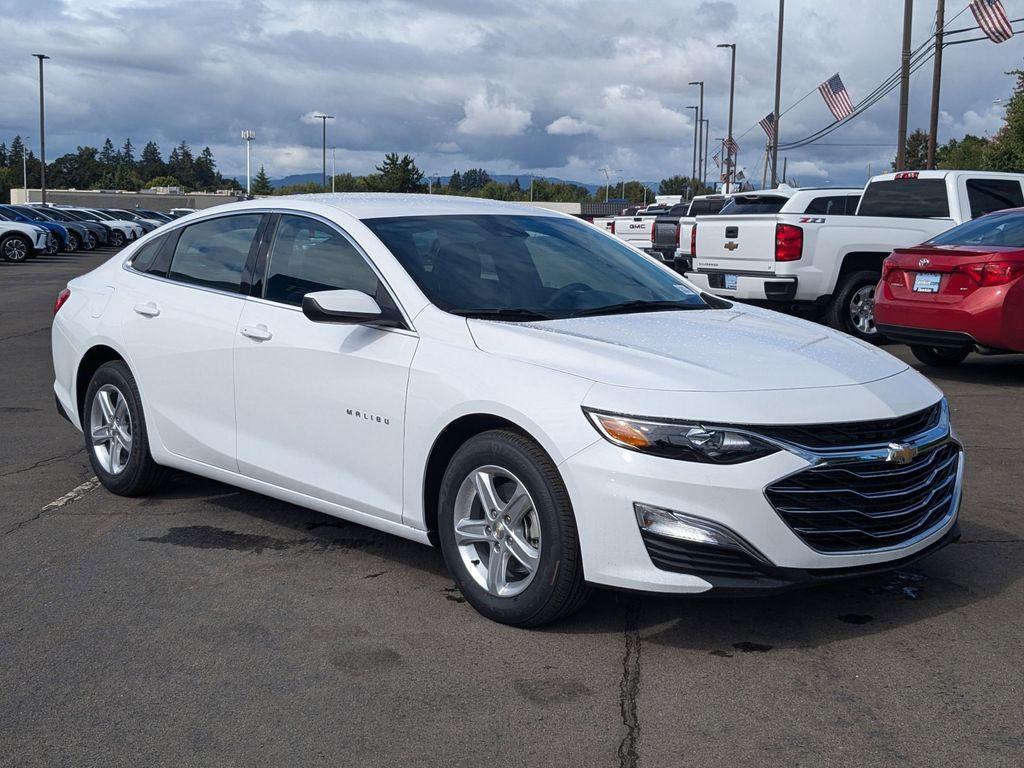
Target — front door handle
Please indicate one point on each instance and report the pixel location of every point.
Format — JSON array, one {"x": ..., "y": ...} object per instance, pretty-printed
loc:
[
  {"x": 257, "y": 332},
  {"x": 149, "y": 309}
]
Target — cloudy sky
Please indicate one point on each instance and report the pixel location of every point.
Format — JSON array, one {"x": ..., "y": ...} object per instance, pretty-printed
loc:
[{"x": 556, "y": 87}]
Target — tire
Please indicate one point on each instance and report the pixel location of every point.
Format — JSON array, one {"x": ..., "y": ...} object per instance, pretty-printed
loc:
[
  {"x": 853, "y": 305},
  {"x": 117, "y": 239},
  {"x": 52, "y": 245},
  {"x": 541, "y": 525},
  {"x": 125, "y": 471},
  {"x": 74, "y": 242},
  {"x": 939, "y": 357},
  {"x": 15, "y": 248},
  {"x": 91, "y": 241}
]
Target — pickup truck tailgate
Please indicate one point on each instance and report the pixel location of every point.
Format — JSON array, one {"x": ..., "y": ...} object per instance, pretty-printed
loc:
[
  {"x": 736, "y": 243},
  {"x": 635, "y": 230}
]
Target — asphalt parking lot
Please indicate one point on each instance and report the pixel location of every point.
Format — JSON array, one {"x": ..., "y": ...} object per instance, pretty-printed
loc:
[{"x": 211, "y": 626}]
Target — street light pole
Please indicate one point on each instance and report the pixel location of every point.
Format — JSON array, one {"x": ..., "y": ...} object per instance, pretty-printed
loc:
[
  {"x": 778, "y": 89},
  {"x": 247, "y": 137},
  {"x": 700, "y": 132},
  {"x": 696, "y": 130},
  {"x": 42, "y": 132},
  {"x": 334, "y": 166},
  {"x": 323, "y": 119},
  {"x": 706, "y": 132},
  {"x": 732, "y": 97},
  {"x": 901, "y": 138},
  {"x": 24, "y": 167},
  {"x": 933, "y": 127}
]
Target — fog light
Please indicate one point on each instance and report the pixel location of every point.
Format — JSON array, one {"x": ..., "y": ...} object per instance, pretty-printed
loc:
[{"x": 676, "y": 525}]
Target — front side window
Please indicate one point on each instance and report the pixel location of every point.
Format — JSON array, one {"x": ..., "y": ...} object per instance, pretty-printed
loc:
[
  {"x": 308, "y": 256},
  {"x": 906, "y": 198},
  {"x": 213, "y": 253},
  {"x": 528, "y": 267},
  {"x": 999, "y": 229},
  {"x": 987, "y": 195}
]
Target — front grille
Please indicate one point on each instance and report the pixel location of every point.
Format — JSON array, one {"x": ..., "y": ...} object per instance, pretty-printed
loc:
[
  {"x": 856, "y": 433},
  {"x": 869, "y": 504},
  {"x": 687, "y": 557}
]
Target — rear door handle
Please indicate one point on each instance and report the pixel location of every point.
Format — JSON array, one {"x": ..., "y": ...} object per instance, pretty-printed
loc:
[
  {"x": 257, "y": 332},
  {"x": 149, "y": 309}
]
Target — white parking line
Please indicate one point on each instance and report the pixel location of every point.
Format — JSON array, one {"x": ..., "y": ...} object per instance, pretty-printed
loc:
[{"x": 73, "y": 495}]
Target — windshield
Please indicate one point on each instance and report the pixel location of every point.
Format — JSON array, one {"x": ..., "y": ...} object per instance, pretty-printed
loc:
[
  {"x": 1001, "y": 229},
  {"x": 29, "y": 213},
  {"x": 528, "y": 267},
  {"x": 100, "y": 215},
  {"x": 906, "y": 198},
  {"x": 56, "y": 215},
  {"x": 753, "y": 204}
]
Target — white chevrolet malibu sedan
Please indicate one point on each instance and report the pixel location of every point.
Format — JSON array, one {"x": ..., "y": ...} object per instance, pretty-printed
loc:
[{"x": 551, "y": 407}]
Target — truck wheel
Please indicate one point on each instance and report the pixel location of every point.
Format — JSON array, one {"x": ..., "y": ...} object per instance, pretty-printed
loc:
[
  {"x": 852, "y": 309},
  {"x": 940, "y": 358}
]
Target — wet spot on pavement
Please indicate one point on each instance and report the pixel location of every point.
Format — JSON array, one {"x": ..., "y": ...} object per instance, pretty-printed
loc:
[
  {"x": 905, "y": 584},
  {"x": 748, "y": 647},
  {"x": 720, "y": 653},
  {"x": 551, "y": 690},
  {"x": 363, "y": 661},
  {"x": 374, "y": 575},
  {"x": 856, "y": 618},
  {"x": 210, "y": 537}
]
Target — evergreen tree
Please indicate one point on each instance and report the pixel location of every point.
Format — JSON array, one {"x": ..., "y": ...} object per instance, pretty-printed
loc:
[
  {"x": 474, "y": 178},
  {"x": 128, "y": 153},
  {"x": 151, "y": 164},
  {"x": 206, "y": 170},
  {"x": 181, "y": 165},
  {"x": 455, "y": 183},
  {"x": 4, "y": 159},
  {"x": 261, "y": 183},
  {"x": 400, "y": 174},
  {"x": 967, "y": 154},
  {"x": 916, "y": 151},
  {"x": 15, "y": 153},
  {"x": 108, "y": 155}
]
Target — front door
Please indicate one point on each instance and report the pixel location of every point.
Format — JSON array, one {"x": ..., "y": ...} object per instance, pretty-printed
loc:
[{"x": 321, "y": 406}]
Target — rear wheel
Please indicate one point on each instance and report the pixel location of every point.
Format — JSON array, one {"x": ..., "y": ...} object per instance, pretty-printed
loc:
[
  {"x": 852, "y": 309},
  {"x": 73, "y": 243},
  {"x": 508, "y": 533},
  {"x": 115, "y": 433},
  {"x": 91, "y": 241},
  {"x": 939, "y": 357},
  {"x": 15, "y": 248}
]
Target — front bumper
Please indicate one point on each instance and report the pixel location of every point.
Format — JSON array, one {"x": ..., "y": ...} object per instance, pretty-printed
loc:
[
  {"x": 605, "y": 482},
  {"x": 748, "y": 287}
]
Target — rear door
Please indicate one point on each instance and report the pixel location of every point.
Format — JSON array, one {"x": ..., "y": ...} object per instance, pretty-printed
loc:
[{"x": 180, "y": 329}]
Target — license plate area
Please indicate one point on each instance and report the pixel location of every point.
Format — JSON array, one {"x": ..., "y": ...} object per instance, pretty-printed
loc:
[{"x": 927, "y": 282}]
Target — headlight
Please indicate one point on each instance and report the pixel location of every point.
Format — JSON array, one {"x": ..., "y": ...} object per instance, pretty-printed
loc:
[{"x": 685, "y": 441}]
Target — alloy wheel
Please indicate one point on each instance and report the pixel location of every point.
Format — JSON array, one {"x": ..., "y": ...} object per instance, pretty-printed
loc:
[
  {"x": 497, "y": 531},
  {"x": 93, "y": 241},
  {"x": 52, "y": 246},
  {"x": 110, "y": 429},
  {"x": 15, "y": 249},
  {"x": 862, "y": 310}
]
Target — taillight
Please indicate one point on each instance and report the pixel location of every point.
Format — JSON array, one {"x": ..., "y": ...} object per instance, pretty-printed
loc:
[
  {"x": 789, "y": 242},
  {"x": 679, "y": 230},
  {"x": 654, "y": 228},
  {"x": 612, "y": 230},
  {"x": 693, "y": 240},
  {"x": 992, "y": 273},
  {"x": 62, "y": 298}
]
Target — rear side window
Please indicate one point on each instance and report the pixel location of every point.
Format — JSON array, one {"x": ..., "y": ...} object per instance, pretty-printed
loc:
[
  {"x": 987, "y": 195},
  {"x": 706, "y": 207},
  {"x": 143, "y": 258},
  {"x": 852, "y": 201},
  {"x": 906, "y": 198},
  {"x": 213, "y": 253},
  {"x": 754, "y": 204},
  {"x": 828, "y": 206},
  {"x": 308, "y": 256},
  {"x": 1001, "y": 229}
]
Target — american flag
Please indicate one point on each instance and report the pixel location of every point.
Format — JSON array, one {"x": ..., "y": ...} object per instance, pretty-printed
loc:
[
  {"x": 836, "y": 97},
  {"x": 732, "y": 146},
  {"x": 717, "y": 158},
  {"x": 768, "y": 124},
  {"x": 992, "y": 18}
]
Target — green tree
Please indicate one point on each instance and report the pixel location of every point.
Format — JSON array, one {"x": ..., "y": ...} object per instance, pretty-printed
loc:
[
  {"x": 400, "y": 174},
  {"x": 966, "y": 154},
  {"x": 206, "y": 175},
  {"x": 151, "y": 163},
  {"x": 261, "y": 183},
  {"x": 128, "y": 153},
  {"x": 455, "y": 183},
  {"x": 181, "y": 165},
  {"x": 4, "y": 158},
  {"x": 474, "y": 178},
  {"x": 915, "y": 152},
  {"x": 1005, "y": 151},
  {"x": 8, "y": 181},
  {"x": 76, "y": 170},
  {"x": 108, "y": 156},
  {"x": 163, "y": 181},
  {"x": 16, "y": 151}
]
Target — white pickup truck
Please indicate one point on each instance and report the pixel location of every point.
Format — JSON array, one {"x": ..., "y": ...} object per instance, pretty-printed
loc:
[
  {"x": 820, "y": 256},
  {"x": 639, "y": 229},
  {"x": 701, "y": 205}
]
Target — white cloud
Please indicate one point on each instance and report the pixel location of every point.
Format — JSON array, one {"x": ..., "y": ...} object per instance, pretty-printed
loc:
[
  {"x": 629, "y": 113},
  {"x": 569, "y": 126},
  {"x": 986, "y": 123},
  {"x": 492, "y": 113}
]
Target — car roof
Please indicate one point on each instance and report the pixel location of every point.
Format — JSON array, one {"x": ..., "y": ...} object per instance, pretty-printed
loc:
[{"x": 374, "y": 205}]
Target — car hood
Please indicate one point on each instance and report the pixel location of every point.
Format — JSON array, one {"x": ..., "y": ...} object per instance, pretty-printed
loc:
[{"x": 716, "y": 350}]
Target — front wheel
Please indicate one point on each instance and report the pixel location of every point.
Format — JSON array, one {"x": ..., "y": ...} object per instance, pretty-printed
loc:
[
  {"x": 74, "y": 242},
  {"x": 15, "y": 248},
  {"x": 117, "y": 238},
  {"x": 508, "y": 532},
  {"x": 853, "y": 307},
  {"x": 115, "y": 433},
  {"x": 938, "y": 357}
]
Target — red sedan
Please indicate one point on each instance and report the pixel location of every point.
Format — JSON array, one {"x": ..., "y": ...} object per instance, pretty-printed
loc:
[{"x": 960, "y": 291}]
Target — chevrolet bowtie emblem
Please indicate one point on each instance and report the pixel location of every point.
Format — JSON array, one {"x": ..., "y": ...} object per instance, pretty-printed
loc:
[
  {"x": 731, "y": 246},
  {"x": 900, "y": 453}
]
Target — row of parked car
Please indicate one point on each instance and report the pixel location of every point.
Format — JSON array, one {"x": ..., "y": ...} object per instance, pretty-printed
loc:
[
  {"x": 31, "y": 230},
  {"x": 839, "y": 254}
]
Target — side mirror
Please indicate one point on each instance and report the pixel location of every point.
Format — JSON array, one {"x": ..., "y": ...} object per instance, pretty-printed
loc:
[{"x": 349, "y": 307}]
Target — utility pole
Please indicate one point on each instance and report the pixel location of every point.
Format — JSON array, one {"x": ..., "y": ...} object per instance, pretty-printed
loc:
[
  {"x": 334, "y": 166},
  {"x": 324, "y": 119},
  {"x": 42, "y": 133},
  {"x": 732, "y": 96},
  {"x": 778, "y": 89},
  {"x": 700, "y": 131},
  {"x": 933, "y": 126},
  {"x": 901, "y": 138},
  {"x": 24, "y": 167},
  {"x": 247, "y": 137},
  {"x": 696, "y": 140},
  {"x": 704, "y": 161}
]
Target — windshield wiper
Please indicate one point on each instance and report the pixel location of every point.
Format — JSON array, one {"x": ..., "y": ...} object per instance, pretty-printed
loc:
[
  {"x": 504, "y": 313},
  {"x": 628, "y": 307}
]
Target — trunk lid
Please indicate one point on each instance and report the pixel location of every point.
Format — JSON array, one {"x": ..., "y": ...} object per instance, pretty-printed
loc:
[{"x": 930, "y": 272}]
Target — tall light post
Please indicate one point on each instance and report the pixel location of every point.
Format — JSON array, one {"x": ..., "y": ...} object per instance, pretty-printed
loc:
[
  {"x": 901, "y": 130},
  {"x": 248, "y": 137},
  {"x": 778, "y": 88},
  {"x": 700, "y": 131},
  {"x": 42, "y": 132},
  {"x": 696, "y": 131},
  {"x": 334, "y": 166},
  {"x": 706, "y": 131},
  {"x": 24, "y": 167},
  {"x": 732, "y": 96},
  {"x": 323, "y": 119}
]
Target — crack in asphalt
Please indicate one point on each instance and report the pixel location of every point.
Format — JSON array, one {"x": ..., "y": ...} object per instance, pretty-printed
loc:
[
  {"x": 24, "y": 334},
  {"x": 42, "y": 462},
  {"x": 629, "y": 687}
]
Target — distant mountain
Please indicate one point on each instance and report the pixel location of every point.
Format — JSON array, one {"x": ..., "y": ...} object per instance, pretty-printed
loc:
[{"x": 298, "y": 178}]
